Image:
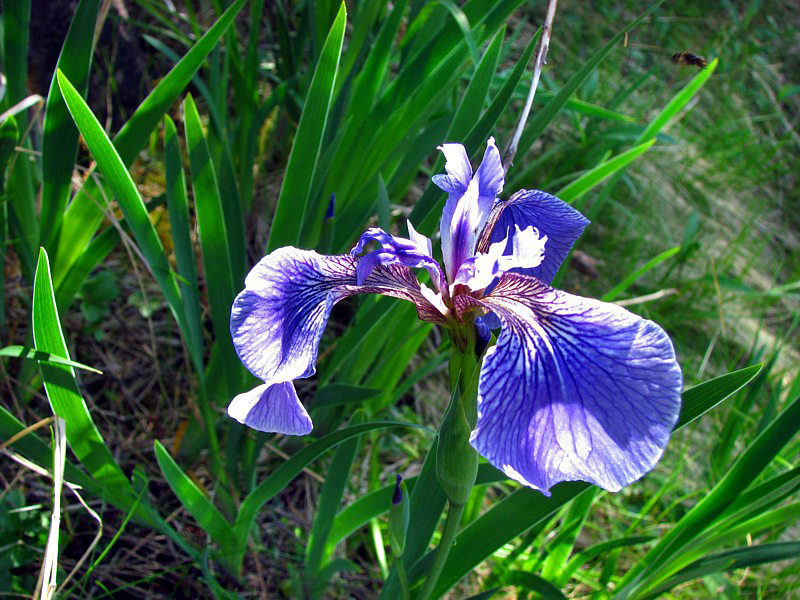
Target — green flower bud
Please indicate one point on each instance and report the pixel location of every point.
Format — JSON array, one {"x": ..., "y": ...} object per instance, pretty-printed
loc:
[{"x": 456, "y": 460}]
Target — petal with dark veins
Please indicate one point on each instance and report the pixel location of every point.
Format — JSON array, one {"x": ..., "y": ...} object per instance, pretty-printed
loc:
[
  {"x": 272, "y": 408},
  {"x": 277, "y": 321},
  {"x": 574, "y": 389}
]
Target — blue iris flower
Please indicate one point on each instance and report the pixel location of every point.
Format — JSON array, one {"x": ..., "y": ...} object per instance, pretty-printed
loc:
[{"x": 574, "y": 388}]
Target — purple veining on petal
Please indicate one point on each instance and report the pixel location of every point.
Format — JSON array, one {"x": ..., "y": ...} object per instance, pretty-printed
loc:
[
  {"x": 490, "y": 175},
  {"x": 278, "y": 319},
  {"x": 553, "y": 218},
  {"x": 414, "y": 252},
  {"x": 272, "y": 408},
  {"x": 575, "y": 389}
]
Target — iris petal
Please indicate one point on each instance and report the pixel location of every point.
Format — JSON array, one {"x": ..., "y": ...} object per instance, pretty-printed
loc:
[
  {"x": 553, "y": 218},
  {"x": 575, "y": 389},
  {"x": 272, "y": 408},
  {"x": 470, "y": 200},
  {"x": 277, "y": 321},
  {"x": 414, "y": 252}
]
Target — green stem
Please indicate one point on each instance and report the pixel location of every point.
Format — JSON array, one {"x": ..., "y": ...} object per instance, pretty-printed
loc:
[
  {"x": 454, "y": 513},
  {"x": 405, "y": 590}
]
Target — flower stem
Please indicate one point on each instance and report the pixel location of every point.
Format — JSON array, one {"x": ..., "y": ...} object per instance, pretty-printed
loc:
[
  {"x": 541, "y": 55},
  {"x": 405, "y": 590},
  {"x": 454, "y": 513}
]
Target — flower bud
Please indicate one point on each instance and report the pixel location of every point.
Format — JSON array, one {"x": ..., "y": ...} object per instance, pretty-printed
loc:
[
  {"x": 399, "y": 514},
  {"x": 456, "y": 460}
]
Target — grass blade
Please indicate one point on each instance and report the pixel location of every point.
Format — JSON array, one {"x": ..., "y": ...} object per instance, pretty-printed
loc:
[
  {"x": 121, "y": 183},
  {"x": 83, "y": 217},
  {"x": 178, "y": 208},
  {"x": 697, "y": 401},
  {"x": 59, "y": 134},
  {"x": 583, "y": 184},
  {"x": 294, "y": 202},
  {"x": 739, "y": 558},
  {"x": 62, "y": 390},
  {"x": 648, "y": 571},
  {"x": 46, "y": 357},
  {"x": 543, "y": 117},
  {"x": 631, "y": 278},
  {"x": 195, "y": 500},
  {"x": 330, "y": 497},
  {"x": 214, "y": 242},
  {"x": 282, "y": 476}
]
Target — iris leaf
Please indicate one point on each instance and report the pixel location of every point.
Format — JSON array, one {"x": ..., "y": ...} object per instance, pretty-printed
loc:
[
  {"x": 123, "y": 187},
  {"x": 83, "y": 217},
  {"x": 631, "y": 278},
  {"x": 738, "y": 558},
  {"x": 82, "y": 434},
  {"x": 195, "y": 500},
  {"x": 294, "y": 203},
  {"x": 31, "y": 354},
  {"x": 59, "y": 134},
  {"x": 330, "y": 497}
]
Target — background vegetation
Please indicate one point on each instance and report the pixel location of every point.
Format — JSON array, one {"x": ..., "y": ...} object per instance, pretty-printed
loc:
[{"x": 272, "y": 108}]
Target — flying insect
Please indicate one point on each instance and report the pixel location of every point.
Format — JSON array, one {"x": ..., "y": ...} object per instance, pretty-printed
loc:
[{"x": 686, "y": 58}]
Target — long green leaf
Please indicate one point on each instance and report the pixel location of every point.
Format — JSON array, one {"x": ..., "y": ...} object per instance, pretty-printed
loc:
[
  {"x": 38, "y": 355},
  {"x": 62, "y": 390},
  {"x": 59, "y": 134},
  {"x": 648, "y": 571},
  {"x": 697, "y": 401},
  {"x": 195, "y": 500},
  {"x": 83, "y": 216},
  {"x": 214, "y": 242},
  {"x": 182, "y": 241},
  {"x": 543, "y": 117},
  {"x": 739, "y": 558},
  {"x": 583, "y": 184},
  {"x": 330, "y": 497},
  {"x": 121, "y": 183},
  {"x": 294, "y": 199},
  {"x": 631, "y": 278},
  {"x": 677, "y": 103}
]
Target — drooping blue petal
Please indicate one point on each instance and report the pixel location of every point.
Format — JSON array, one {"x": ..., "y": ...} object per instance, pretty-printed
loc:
[
  {"x": 470, "y": 200},
  {"x": 415, "y": 253},
  {"x": 273, "y": 408},
  {"x": 553, "y": 218},
  {"x": 278, "y": 319},
  {"x": 575, "y": 389}
]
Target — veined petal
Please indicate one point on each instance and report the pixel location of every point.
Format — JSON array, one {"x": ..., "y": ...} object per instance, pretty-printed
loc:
[
  {"x": 469, "y": 203},
  {"x": 414, "y": 252},
  {"x": 272, "y": 408},
  {"x": 575, "y": 389},
  {"x": 490, "y": 175},
  {"x": 278, "y": 319},
  {"x": 459, "y": 171},
  {"x": 553, "y": 218}
]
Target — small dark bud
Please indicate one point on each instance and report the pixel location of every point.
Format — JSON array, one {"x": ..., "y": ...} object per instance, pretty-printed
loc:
[
  {"x": 397, "y": 498},
  {"x": 331, "y": 208}
]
